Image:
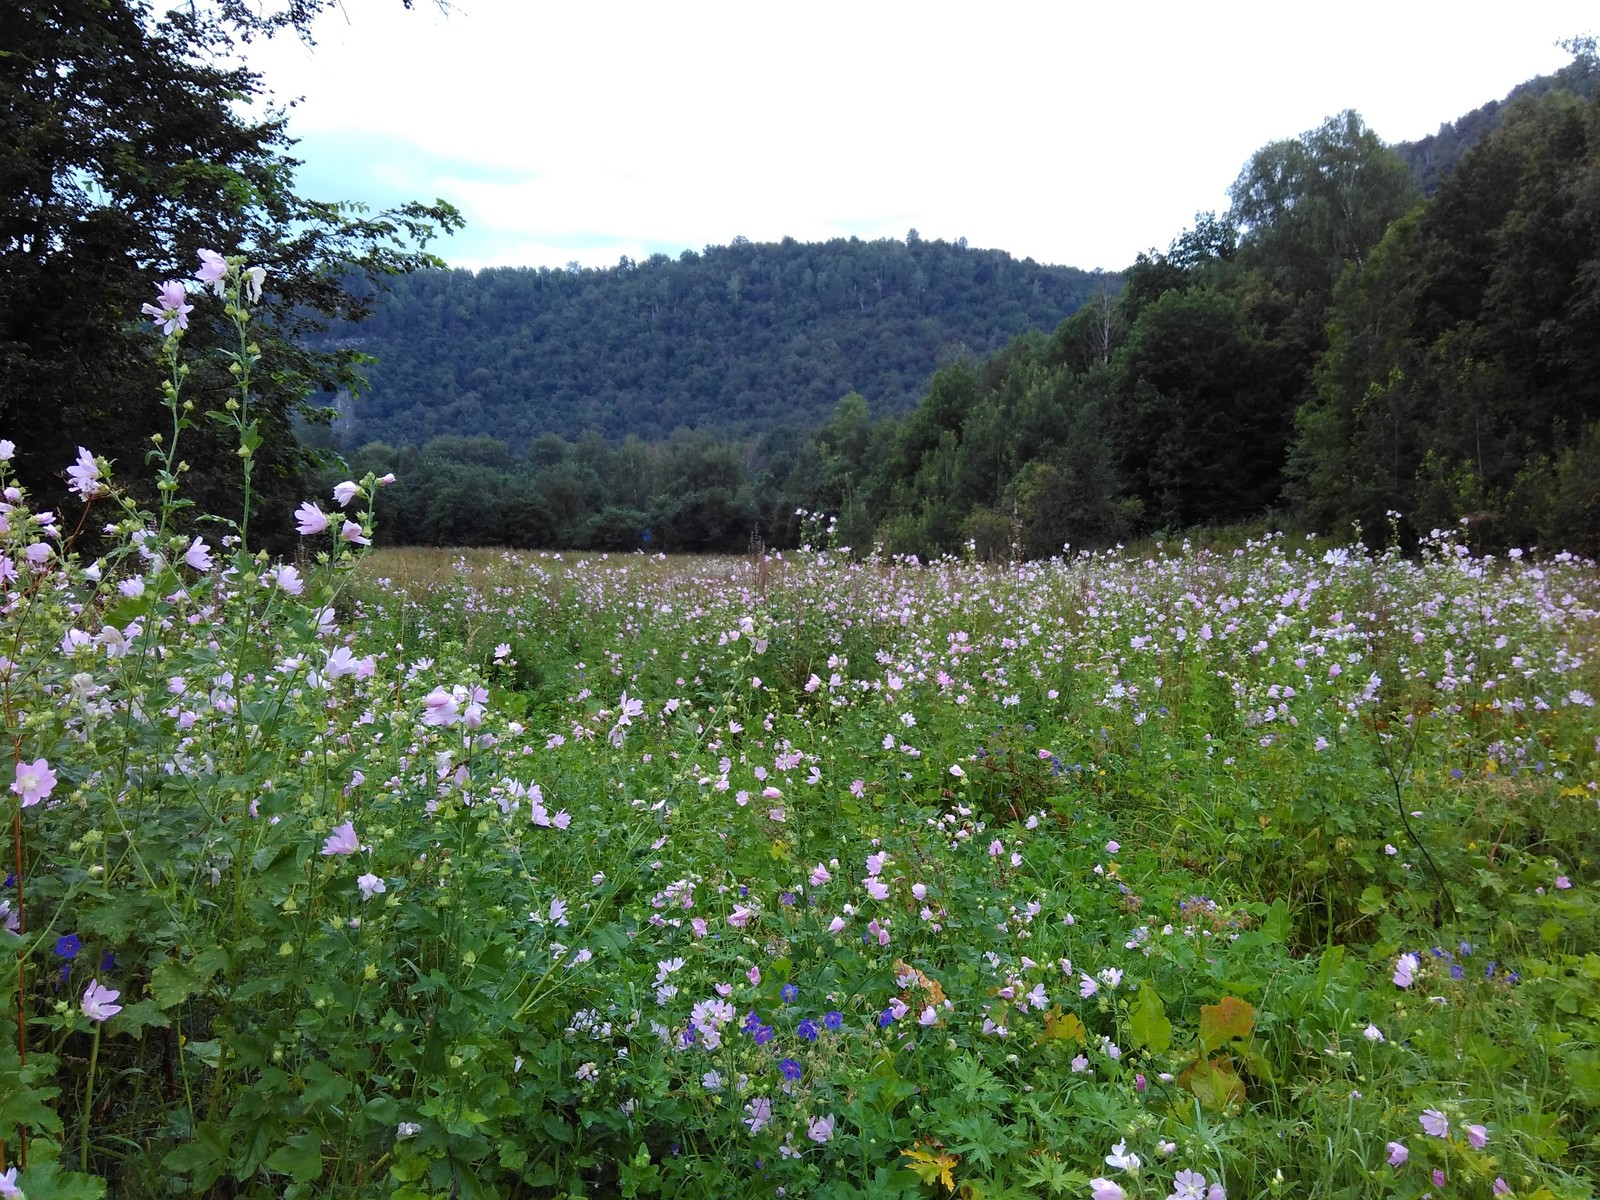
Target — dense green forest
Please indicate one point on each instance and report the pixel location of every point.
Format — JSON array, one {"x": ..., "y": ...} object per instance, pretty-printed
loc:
[
  {"x": 1334, "y": 348},
  {"x": 740, "y": 338}
]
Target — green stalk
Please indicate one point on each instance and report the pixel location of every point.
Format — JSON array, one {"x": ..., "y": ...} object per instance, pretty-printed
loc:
[{"x": 88, "y": 1102}]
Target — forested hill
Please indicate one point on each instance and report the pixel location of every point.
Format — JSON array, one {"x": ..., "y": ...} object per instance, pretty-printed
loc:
[
  {"x": 742, "y": 338},
  {"x": 1432, "y": 158}
]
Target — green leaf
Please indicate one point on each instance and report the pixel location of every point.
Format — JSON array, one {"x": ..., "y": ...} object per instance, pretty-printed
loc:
[
  {"x": 1148, "y": 1021},
  {"x": 1275, "y": 925},
  {"x": 175, "y": 981},
  {"x": 324, "y": 1085},
  {"x": 300, "y": 1159}
]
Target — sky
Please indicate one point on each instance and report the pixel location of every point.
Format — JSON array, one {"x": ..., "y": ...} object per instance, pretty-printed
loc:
[{"x": 1073, "y": 133}]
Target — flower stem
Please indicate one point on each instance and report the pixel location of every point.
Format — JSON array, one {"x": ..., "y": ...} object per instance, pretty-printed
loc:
[{"x": 88, "y": 1102}]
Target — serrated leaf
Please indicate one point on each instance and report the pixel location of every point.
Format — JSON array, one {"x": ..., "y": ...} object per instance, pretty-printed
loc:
[
  {"x": 300, "y": 1158},
  {"x": 933, "y": 1166},
  {"x": 324, "y": 1085},
  {"x": 174, "y": 981},
  {"x": 204, "y": 1159}
]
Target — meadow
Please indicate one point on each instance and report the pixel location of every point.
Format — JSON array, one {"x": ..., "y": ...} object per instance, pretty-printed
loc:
[{"x": 1181, "y": 873}]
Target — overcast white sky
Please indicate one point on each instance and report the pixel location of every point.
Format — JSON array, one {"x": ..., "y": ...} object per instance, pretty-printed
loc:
[{"x": 1074, "y": 133}]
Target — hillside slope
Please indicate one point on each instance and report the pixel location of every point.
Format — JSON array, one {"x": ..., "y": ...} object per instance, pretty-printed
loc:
[{"x": 741, "y": 338}]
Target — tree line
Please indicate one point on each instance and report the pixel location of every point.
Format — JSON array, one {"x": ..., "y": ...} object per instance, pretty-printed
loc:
[{"x": 1334, "y": 348}]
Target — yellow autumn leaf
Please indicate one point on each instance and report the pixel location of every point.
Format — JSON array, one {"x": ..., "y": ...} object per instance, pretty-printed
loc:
[{"x": 931, "y": 1166}]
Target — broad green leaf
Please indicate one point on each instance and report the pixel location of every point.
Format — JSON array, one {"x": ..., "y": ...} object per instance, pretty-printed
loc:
[{"x": 1148, "y": 1021}]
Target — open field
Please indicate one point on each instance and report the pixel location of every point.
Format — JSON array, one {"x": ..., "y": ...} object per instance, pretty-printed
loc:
[{"x": 1259, "y": 873}]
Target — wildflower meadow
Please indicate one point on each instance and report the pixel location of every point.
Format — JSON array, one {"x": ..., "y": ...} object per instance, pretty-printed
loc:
[{"x": 1185, "y": 874}]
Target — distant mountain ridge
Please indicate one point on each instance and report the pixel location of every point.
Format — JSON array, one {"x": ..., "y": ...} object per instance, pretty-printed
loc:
[
  {"x": 1435, "y": 156},
  {"x": 741, "y": 339}
]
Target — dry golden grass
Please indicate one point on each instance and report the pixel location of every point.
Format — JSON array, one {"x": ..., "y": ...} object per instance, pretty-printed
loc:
[{"x": 420, "y": 569}]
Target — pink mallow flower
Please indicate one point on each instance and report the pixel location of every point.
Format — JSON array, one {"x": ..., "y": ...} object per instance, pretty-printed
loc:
[
  {"x": 1434, "y": 1123},
  {"x": 1478, "y": 1136},
  {"x": 198, "y": 555},
  {"x": 169, "y": 312},
  {"x": 84, "y": 476},
  {"x": 345, "y": 492},
  {"x": 343, "y": 840},
  {"x": 213, "y": 270},
  {"x": 351, "y": 532},
  {"x": 311, "y": 519},
  {"x": 1405, "y": 970},
  {"x": 34, "y": 781},
  {"x": 1398, "y": 1154},
  {"x": 97, "y": 1002}
]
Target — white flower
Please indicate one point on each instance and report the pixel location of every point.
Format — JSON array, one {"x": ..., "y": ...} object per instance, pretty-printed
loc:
[{"x": 1121, "y": 1159}]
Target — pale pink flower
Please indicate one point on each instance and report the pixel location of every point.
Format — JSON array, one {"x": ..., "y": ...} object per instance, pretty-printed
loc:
[
  {"x": 351, "y": 532},
  {"x": 343, "y": 840},
  {"x": 7, "y": 449},
  {"x": 820, "y": 875},
  {"x": 340, "y": 663},
  {"x": 198, "y": 555},
  {"x": 760, "y": 1110},
  {"x": 1478, "y": 1136},
  {"x": 169, "y": 312},
  {"x": 213, "y": 270},
  {"x": 1101, "y": 1188},
  {"x": 820, "y": 1129},
  {"x": 85, "y": 475},
  {"x": 34, "y": 781},
  {"x": 254, "y": 277},
  {"x": 312, "y": 520},
  {"x": 288, "y": 578},
  {"x": 8, "y": 1184},
  {"x": 1434, "y": 1123},
  {"x": 442, "y": 708},
  {"x": 1405, "y": 970},
  {"x": 1188, "y": 1185},
  {"x": 370, "y": 885},
  {"x": 97, "y": 1002}
]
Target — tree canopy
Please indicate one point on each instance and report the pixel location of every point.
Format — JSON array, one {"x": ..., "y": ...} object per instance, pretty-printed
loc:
[{"x": 126, "y": 145}]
